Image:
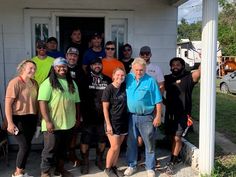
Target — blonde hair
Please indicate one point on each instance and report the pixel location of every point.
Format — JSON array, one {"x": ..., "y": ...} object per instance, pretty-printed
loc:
[
  {"x": 117, "y": 69},
  {"x": 22, "y": 64},
  {"x": 139, "y": 61}
]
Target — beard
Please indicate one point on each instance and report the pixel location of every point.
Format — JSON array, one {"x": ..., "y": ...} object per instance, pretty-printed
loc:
[
  {"x": 177, "y": 72},
  {"x": 96, "y": 72}
]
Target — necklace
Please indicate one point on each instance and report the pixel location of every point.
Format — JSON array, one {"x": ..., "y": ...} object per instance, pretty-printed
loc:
[{"x": 28, "y": 84}]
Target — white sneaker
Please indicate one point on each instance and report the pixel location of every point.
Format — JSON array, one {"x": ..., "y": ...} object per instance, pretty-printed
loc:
[
  {"x": 150, "y": 173},
  {"x": 22, "y": 175},
  {"x": 13, "y": 175},
  {"x": 129, "y": 171},
  {"x": 26, "y": 175}
]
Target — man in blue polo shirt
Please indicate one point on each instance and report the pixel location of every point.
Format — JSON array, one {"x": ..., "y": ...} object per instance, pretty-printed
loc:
[{"x": 144, "y": 104}]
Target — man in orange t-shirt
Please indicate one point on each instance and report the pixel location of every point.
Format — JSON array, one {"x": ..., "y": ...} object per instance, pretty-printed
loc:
[{"x": 109, "y": 62}]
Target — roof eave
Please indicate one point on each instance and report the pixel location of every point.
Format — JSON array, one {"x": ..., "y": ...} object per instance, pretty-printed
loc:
[{"x": 177, "y": 3}]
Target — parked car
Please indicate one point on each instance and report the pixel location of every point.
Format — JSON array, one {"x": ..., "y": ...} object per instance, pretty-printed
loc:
[{"x": 228, "y": 83}]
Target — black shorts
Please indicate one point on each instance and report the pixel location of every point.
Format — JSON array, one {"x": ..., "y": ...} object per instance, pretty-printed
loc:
[
  {"x": 93, "y": 133},
  {"x": 119, "y": 128},
  {"x": 175, "y": 125}
]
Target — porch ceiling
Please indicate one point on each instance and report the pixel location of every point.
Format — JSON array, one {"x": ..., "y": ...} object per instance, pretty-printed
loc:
[{"x": 177, "y": 3}]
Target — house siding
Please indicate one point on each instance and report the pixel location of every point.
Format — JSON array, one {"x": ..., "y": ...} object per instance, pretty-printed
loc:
[{"x": 154, "y": 23}]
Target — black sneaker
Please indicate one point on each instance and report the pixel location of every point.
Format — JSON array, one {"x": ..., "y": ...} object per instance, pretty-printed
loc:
[
  {"x": 109, "y": 172},
  {"x": 117, "y": 172},
  {"x": 169, "y": 168}
]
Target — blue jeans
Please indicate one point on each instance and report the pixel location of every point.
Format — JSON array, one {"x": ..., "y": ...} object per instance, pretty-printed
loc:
[{"x": 141, "y": 125}]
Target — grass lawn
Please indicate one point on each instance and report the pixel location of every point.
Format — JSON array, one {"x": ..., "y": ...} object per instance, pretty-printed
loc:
[
  {"x": 225, "y": 165},
  {"x": 225, "y": 112}
]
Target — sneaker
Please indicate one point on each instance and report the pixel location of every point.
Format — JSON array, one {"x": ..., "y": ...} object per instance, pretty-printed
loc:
[
  {"x": 26, "y": 175},
  {"x": 129, "y": 171},
  {"x": 57, "y": 174},
  {"x": 100, "y": 164},
  {"x": 84, "y": 169},
  {"x": 158, "y": 164},
  {"x": 151, "y": 173},
  {"x": 108, "y": 172},
  {"x": 45, "y": 174},
  {"x": 20, "y": 175},
  {"x": 169, "y": 168},
  {"x": 117, "y": 172},
  {"x": 63, "y": 173}
]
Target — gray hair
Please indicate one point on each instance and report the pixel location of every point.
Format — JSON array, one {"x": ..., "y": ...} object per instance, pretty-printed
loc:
[{"x": 139, "y": 61}]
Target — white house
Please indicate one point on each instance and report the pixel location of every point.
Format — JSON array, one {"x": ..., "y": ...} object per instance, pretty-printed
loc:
[
  {"x": 139, "y": 22},
  {"x": 22, "y": 22}
]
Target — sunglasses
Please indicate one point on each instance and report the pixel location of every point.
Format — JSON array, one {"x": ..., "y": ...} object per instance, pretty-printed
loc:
[
  {"x": 127, "y": 50},
  {"x": 144, "y": 53},
  {"x": 110, "y": 48},
  {"x": 41, "y": 47}
]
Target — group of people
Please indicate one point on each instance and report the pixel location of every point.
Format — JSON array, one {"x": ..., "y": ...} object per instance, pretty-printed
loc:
[{"x": 92, "y": 92}]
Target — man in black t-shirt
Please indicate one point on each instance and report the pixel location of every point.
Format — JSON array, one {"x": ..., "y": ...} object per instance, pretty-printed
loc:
[
  {"x": 76, "y": 73},
  {"x": 127, "y": 57},
  {"x": 179, "y": 85},
  {"x": 92, "y": 113},
  {"x": 76, "y": 42}
]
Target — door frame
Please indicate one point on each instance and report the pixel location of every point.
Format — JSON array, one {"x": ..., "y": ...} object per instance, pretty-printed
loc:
[{"x": 52, "y": 15}]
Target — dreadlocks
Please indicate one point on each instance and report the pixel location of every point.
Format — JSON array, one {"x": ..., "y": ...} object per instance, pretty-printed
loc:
[{"x": 56, "y": 84}]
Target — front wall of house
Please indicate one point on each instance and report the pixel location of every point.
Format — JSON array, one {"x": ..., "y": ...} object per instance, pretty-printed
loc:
[{"x": 152, "y": 23}]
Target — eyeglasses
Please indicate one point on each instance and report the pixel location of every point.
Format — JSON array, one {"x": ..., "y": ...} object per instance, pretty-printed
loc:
[
  {"x": 110, "y": 48},
  {"x": 61, "y": 66},
  {"x": 144, "y": 53}
]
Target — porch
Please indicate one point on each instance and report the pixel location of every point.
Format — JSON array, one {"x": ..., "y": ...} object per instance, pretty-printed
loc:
[{"x": 33, "y": 165}]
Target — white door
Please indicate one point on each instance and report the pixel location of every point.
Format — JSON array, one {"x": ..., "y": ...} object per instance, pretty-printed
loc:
[
  {"x": 41, "y": 30},
  {"x": 117, "y": 32}
]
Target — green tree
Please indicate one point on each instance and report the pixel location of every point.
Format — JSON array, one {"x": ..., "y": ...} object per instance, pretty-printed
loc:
[
  {"x": 227, "y": 27},
  {"x": 189, "y": 31}
]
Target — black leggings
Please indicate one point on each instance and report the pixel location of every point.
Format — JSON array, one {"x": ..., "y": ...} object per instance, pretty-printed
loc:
[{"x": 27, "y": 126}]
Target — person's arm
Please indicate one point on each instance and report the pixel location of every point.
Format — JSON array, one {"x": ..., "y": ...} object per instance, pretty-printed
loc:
[
  {"x": 161, "y": 87},
  {"x": 157, "y": 119},
  {"x": 8, "y": 110},
  {"x": 43, "y": 105},
  {"x": 84, "y": 67},
  {"x": 196, "y": 74},
  {"x": 105, "y": 106}
]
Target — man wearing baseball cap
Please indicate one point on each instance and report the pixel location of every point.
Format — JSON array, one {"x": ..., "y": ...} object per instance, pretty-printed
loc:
[
  {"x": 43, "y": 62},
  {"x": 93, "y": 118},
  {"x": 52, "y": 50},
  {"x": 77, "y": 74}
]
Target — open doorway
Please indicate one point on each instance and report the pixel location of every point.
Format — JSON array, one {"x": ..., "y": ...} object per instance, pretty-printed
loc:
[{"x": 87, "y": 26}]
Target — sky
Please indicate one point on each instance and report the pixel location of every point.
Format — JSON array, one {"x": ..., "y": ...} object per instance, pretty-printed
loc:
[{"x": 191, "y": 11}]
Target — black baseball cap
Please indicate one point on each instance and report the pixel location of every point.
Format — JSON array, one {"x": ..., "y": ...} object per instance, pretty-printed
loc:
[
  {"x": 41, "y": 44},
  {"x": 126, "y": 46},
  {"x": 52, "y": 39},
  {"x": 96, "y": 60},
  {"x": 96, "y": 34},
  {"x": 145, "y": 49}
]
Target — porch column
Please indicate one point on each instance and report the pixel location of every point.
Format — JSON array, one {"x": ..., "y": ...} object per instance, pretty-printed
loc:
[{"x": 208, "y": 86}]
